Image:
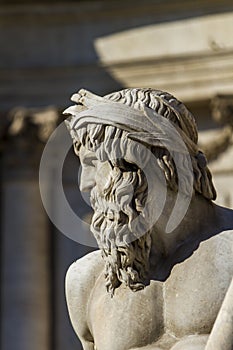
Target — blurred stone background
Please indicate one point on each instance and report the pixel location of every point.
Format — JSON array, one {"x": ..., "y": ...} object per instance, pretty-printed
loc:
[{"x": 49, "y": 50}]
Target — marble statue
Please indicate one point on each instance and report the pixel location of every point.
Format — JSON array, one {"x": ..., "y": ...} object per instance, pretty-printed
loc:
[{"x": 149, "y": 286}]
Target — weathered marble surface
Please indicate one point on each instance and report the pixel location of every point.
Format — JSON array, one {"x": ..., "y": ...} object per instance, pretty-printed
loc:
[{"x": 147, "y": 289}]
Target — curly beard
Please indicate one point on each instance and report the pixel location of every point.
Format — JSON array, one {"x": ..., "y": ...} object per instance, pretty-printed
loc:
[{"x": 124, "y": 242}]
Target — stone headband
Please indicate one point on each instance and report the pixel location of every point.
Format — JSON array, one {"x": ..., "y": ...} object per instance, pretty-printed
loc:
[{"x": 143, "y": 124}]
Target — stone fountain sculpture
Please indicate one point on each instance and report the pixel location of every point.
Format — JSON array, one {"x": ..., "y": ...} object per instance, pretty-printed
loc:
[{"x": 162, "y": 276}]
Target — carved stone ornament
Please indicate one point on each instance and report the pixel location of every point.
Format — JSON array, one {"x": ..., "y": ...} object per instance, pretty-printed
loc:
[
  {"x": 24, "y": 135},
  {"x": 44, "y": 120},
  {"x": 222, "y": 112},
  {"x": 149, "y": 287}
]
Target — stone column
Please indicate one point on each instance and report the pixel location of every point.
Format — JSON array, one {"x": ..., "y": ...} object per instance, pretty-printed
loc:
[
  {"x": 25, "y": 275},
  {"x": 26, "y": 299}
]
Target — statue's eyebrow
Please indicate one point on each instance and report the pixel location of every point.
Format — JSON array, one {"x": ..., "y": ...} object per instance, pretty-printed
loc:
[{"x": 87, "y": 157}]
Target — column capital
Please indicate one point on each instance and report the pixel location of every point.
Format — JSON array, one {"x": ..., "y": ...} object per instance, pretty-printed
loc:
[
  {"x": 222, "y": 109},
  {"x": 24, "y": 135},
  {"x": 222, "y": 113}
]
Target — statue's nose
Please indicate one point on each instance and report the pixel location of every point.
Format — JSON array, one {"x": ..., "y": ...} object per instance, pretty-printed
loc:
[{"x": 87, "y": 179}]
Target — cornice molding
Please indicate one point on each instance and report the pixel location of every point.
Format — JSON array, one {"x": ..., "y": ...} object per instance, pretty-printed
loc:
[
  {"x": 188, "y": 78},
  {"x": 191, "y": 58}
]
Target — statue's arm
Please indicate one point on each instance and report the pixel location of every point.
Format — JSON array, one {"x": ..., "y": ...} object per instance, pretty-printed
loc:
[
  {"x": 80, "y": 280},
  {"x": 221, "y": 336}
]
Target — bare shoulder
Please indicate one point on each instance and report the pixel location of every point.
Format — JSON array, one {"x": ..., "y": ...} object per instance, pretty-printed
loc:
[
  {"x": 84, "y": 270},
  {"x": 82, "y": 275},
  {"x": 80, "y": 280},
  {"x": 222, "y": 243},
  {"x": 226, "y": 235}
]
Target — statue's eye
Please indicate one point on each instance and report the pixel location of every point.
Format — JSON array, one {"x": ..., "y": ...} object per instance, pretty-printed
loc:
[{"x": 89, "y": 161}]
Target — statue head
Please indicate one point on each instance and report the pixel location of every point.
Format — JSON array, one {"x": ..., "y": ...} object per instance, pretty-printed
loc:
[{"x": 117, "y": 137}]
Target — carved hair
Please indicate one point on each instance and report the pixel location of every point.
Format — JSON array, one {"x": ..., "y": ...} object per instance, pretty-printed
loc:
[
  {"x": 124, "y": 248},
  {"x": 169, "y": 107}
]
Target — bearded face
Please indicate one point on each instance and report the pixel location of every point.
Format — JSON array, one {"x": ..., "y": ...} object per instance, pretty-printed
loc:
[{"x": 117, "y": 225}]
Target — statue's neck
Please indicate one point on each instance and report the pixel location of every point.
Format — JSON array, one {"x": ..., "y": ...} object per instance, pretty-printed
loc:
[{"x": 202, "y": 220}]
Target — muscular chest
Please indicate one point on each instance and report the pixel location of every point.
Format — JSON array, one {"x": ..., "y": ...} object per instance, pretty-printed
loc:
[
  {"x": 195, "y": 289},
  {"x": 120, "y": 321},
  {"x": 186, "y": 303}
]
